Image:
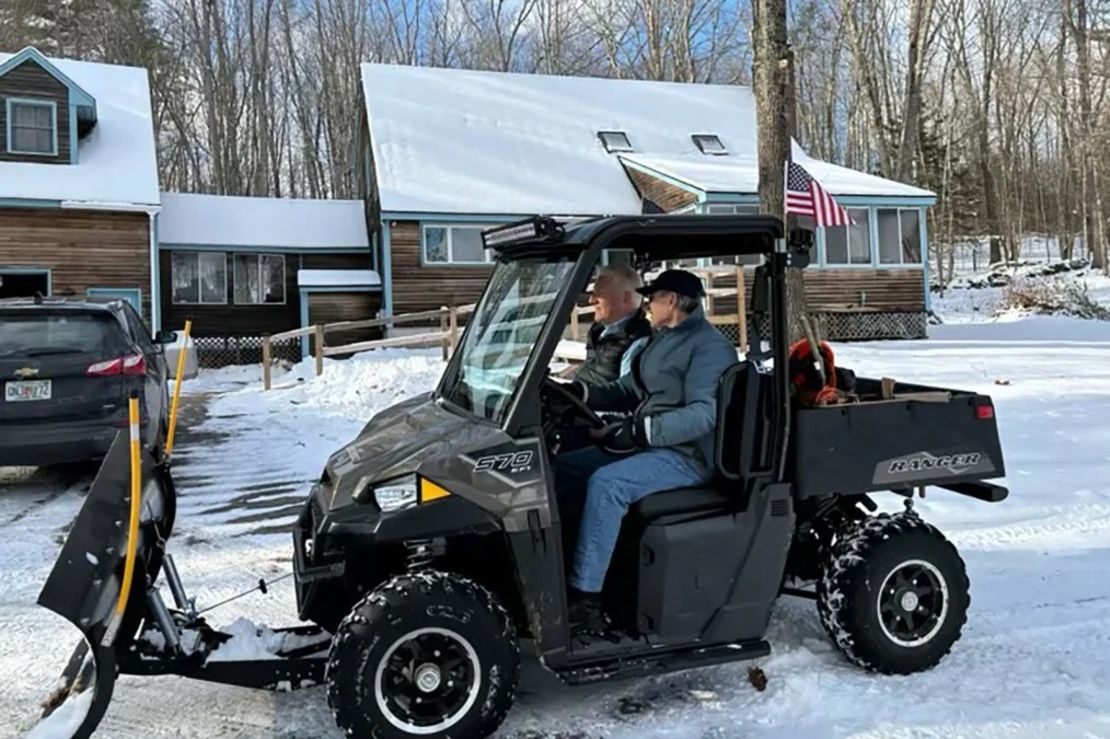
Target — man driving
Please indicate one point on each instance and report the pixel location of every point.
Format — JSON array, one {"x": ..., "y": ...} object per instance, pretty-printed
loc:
[
  {"x": 618, "y": 323},
  {"x": 665, "y": 443}
]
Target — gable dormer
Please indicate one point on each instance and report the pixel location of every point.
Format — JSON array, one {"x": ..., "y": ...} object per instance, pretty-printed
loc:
[{"x": 43, "y": 113}]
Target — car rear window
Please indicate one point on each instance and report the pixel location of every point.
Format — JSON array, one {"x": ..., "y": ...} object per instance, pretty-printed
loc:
[{"x": 42, "y": 334}]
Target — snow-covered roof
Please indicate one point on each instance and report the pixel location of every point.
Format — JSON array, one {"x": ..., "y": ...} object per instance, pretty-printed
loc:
[
  {"x": 464, "y": 141},
  {"x": 740, "y": 174},
  {"x": 338, "y": 278},
  {"x": 116, "y": 161},
  {"x": 225, "y": 220}
]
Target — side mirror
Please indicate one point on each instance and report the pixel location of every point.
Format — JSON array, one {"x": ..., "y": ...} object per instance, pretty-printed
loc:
[{"x": 166, "y": 337}]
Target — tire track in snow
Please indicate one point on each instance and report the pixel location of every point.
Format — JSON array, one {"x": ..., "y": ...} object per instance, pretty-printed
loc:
[{"x": 220, "y": 486}]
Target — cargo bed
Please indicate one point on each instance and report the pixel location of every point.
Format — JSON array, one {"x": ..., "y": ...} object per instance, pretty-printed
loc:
[{"x": 921, "y": 436}]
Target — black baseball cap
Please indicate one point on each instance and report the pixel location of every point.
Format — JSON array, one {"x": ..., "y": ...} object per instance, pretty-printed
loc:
[{"x": 677, "y": 281}]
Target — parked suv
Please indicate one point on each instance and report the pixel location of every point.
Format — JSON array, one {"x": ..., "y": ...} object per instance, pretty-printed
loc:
[{"x": 67, "y": 369}]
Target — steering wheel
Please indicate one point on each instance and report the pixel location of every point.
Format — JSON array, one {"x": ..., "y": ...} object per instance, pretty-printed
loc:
[{"x": 575, "y": 403}]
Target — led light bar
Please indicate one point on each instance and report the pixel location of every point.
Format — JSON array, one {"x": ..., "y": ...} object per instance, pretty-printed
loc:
[{"x": 534, "y": 229}]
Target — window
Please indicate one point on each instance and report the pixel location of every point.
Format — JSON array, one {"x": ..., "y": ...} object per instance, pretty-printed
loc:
[
  {"x": 709, "y": 143},
  {"x": 850, "y": 244},
  {"x": 199, "y": 277},
  {"x": 455, "y": 245},
  {"x": 899, "y": 235},
  {"x": 614, "y": 141},
  {"x": 744, "y": 210},
  {"x": 32, "y": 127},
  {"x": 618, "y": 256},
  {"x": 259, "y": 278}
]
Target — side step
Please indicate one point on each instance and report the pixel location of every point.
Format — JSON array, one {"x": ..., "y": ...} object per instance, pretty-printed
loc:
[{"x": 662, "y": 660}]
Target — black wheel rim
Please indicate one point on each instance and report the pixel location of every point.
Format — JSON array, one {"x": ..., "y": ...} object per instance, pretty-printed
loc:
[
  {"x": 913, "y": 603},
  {"x": 427, "y": 681}
]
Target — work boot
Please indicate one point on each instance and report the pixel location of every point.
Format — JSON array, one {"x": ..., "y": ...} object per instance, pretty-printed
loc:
[{"x": 585, "y": 613}]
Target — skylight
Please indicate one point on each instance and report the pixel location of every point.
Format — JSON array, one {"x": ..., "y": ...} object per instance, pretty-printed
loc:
[
  {"x": 614, "y": 141},
  {"x": 709, "y": 143}
]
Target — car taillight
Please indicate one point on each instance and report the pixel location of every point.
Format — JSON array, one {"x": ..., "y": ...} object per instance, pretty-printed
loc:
[
  {"x": 132, "y": 364},
  {"x": 105, "y": 369},
  {"x": 984, "y": 412}
]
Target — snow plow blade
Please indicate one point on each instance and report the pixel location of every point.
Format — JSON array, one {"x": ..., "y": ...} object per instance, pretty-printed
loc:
[{"x": 86, "y": 582}]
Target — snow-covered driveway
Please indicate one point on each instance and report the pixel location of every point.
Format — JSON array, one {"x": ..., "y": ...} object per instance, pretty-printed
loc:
[{"x": 1034, "y": 660}]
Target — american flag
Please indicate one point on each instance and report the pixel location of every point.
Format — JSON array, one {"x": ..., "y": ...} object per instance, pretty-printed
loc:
[{"x": 806, "y": 197}]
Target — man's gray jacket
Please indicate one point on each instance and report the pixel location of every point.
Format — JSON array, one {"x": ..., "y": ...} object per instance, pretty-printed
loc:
[{"x": 672, "y": 388}]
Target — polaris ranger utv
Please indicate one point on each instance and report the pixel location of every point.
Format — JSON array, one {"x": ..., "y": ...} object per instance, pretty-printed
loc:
[{"x": 431, "y": 545}]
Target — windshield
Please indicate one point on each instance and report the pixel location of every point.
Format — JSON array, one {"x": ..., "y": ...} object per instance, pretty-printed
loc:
[{"x": 503, "y": 331}]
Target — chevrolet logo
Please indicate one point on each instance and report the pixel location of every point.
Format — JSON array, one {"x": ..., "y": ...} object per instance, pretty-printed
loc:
[{"x": 24, "y": 372}]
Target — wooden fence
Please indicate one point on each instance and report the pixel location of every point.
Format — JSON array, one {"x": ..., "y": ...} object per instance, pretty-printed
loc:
[{"x": 447, "y": 336}]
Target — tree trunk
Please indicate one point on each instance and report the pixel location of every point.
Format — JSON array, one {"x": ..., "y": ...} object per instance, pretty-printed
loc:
[
  {"x": 920, "y": 19},
  {"x": 775, "y": 118},
  {"x": 1081, "y": 35}
]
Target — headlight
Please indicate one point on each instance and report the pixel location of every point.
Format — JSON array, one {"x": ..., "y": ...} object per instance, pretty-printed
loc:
[{"x": 393, "y": 495}]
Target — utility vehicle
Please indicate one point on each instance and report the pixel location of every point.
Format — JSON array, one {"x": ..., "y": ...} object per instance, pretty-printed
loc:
[{"x": 431, "y": 545}]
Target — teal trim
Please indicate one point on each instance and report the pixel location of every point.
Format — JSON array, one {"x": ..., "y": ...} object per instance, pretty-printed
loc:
[
  {"x": 31, "y": 271},
  {"x": 77, "y": 95},
  {"x": 72, "y": 133},
  {"x": 873, "y": 237},
  {"x": 132, "y": 295},
  {"x": 9, "y": 102},
  {"x": 889, "y": 201},
  {"x": 387, "y": 270},
  {"x": 155, "y": 272},
  {"x": 340, "y": 289},
  {"x": 303, "y": 297},
  {"x": 266, "y": 249},
  {"x": 669, "y": 179},
  {"x": 374, "y": 251},
  {"x": 29, "y": 203},
  {"x": 730, "y": 197},
  {"x": 924, "y": 226}
]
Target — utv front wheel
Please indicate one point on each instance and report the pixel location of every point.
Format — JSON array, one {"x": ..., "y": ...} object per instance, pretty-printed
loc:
[
  {"x": 427, "y": 654},
  {"x": 894, "y": 594}
]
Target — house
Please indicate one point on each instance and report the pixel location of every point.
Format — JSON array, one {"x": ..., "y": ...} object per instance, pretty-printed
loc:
[
  {"x": 245, "y": 267},
  {"x": 78, "y": 181},
  {"x": 81, "y": 215},
  {"x": 447, "y": 153}
]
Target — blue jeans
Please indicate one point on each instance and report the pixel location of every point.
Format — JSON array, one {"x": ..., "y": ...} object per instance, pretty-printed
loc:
[{"x": 613, "y": 484}]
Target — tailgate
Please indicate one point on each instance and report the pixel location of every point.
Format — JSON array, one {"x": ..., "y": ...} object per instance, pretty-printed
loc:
[
  {"x": 45, "y": 358},
  {"x": 895, "y": 445}
]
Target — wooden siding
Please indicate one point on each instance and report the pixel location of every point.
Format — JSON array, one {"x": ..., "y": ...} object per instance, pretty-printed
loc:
[
  {"x": 418, "y": 288},
  {"x": 82, "y": 249},
  {"x": 249, "y": 320},
  {"x": 353, "y": 306},
  {"x": 29, "y": 80},
  {"x": 667, "y": 196},
  {"x": 836, "y": 290},
  {"x": 336, "y": 261}
]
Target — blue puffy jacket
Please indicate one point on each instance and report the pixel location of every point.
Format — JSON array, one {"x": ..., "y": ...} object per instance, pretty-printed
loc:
[{"x": 672, "y": 387}]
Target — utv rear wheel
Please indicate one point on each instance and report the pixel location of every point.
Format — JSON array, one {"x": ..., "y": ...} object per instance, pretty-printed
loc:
[
  {"x": 427, "y": 654},
  {"x": 893, "y": 595}
]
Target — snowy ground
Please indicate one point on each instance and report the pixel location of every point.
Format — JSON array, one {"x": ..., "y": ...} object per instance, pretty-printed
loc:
[{"x": 1034, "y": 660}]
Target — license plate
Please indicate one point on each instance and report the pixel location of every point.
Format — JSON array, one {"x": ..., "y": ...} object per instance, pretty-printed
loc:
[{"x": 21, "y": 390}]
